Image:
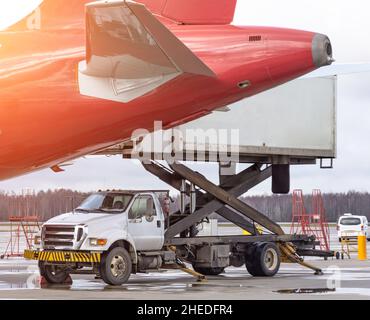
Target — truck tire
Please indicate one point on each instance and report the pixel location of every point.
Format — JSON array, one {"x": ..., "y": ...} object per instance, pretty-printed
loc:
[
  {"x": 209, "y": 271},
  {"x": 264, "y": 261},
  {"x": 53, "y": 273},
  {"x": 116, "y": 266},
  {"x": 250, "y": 260}
]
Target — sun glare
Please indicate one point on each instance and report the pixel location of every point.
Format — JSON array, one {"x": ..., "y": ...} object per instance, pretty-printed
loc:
[{"x": 11, "y": 11}]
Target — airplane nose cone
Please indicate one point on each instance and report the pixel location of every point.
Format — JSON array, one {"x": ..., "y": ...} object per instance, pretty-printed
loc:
[{"x": 322, "y": 51}]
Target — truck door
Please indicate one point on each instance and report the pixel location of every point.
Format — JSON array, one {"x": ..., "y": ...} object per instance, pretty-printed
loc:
[{"x": 145, "y": 224}]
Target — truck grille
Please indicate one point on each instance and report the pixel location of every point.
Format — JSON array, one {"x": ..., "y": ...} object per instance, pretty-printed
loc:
[{"x": 58, "y": 236}]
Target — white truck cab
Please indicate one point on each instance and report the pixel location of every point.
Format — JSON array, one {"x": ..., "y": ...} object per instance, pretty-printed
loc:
[
  {"x": 127, "y": 223},
  {"x": 350, "y": 226}
]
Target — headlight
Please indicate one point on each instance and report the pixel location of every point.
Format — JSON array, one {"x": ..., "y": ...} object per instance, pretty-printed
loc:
[
  {"x": 37, "y": 240},
  {"x": 98, "y": 242}
]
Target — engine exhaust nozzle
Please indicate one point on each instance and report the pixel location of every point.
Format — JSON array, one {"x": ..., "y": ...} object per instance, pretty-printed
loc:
[{"x": 322, "y": 51}]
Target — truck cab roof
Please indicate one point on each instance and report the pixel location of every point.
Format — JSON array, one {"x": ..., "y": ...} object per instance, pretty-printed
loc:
[{"x": 133, "y": 192}]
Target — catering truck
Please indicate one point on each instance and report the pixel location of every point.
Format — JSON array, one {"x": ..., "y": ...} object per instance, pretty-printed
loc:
[{"x": 114, "y": 234}]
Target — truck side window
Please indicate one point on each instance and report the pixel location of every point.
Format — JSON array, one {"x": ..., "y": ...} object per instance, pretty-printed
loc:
[
  {"x": 142, "y": 206},
  {"x": 134, "y": 210},
  {"x": 150, "y": 207}
]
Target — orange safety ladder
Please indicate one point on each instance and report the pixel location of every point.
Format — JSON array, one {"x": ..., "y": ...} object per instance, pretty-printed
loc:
[{"x": 313, "y": 223}]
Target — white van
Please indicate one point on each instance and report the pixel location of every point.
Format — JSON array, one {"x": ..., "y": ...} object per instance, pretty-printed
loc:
[{"x": 350, "y": 226}]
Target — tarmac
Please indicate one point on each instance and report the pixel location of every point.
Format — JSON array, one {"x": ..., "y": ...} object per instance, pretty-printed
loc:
[{"x": 342, "y": 279}]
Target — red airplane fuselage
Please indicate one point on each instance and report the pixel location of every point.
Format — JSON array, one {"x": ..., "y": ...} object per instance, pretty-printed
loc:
[{"x": 44, "y": 119}]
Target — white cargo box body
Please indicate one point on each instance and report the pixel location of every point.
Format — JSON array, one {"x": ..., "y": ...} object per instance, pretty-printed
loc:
[{"x": 295, "y": 119}]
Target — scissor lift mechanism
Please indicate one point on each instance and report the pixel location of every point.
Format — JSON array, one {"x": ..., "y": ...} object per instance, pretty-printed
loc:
[{"x": 223, "y": 200}]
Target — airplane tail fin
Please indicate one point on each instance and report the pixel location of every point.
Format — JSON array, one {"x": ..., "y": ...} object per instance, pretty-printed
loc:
[
  {"x": 131, "y": 52},
  {"x": 193, "y": 11}
]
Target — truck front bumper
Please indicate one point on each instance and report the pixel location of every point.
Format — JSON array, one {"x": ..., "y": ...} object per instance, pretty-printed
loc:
[{"x": 62, "y": 256}]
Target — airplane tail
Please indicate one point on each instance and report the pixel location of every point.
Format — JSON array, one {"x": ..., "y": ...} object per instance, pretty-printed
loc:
[{"x": 129, "y": 52}]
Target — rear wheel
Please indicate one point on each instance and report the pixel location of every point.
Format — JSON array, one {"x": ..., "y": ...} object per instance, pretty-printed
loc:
[
  {"x": 209, "y": 271},
  {"x": 264, "y": 260},
  {"x": 116, "y": 266},
  {"x": 250, "y": 260},
  {"x": 53, "y": 273}
]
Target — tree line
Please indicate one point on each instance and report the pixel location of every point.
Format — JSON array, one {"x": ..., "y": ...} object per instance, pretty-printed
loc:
[
  {"x": 44, "y": 204},
  {"x": 47, "y": 204},
  {"x": 279, "y": 207}
]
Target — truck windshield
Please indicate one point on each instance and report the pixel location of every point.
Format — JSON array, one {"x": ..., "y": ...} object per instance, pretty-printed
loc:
[
  {"x": 350, "y": 221},
  {"x": 107, "y": 203}
]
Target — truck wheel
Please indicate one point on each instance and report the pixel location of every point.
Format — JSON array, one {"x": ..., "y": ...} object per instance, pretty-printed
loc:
[
  {"x": 116, "y": 266},
  {"x": 265, "y": 261},
  {"x": 250, "y": 260},
  {"x": 53, "y": 273},
  {"x": 209, "y": 271}
]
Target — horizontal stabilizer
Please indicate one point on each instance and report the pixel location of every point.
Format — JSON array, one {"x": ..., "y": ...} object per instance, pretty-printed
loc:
[{"x": 130, "y": 53}]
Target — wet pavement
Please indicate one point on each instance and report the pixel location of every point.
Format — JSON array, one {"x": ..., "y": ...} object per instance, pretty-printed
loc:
[{"x": 342, "y": 279}]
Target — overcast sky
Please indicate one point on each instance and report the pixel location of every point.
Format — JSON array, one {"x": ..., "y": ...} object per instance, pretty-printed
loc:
[{"x": 348, "y": 25}]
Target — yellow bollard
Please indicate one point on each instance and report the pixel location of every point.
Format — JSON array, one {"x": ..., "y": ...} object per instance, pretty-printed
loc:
[{"x": 362, "y": 252}]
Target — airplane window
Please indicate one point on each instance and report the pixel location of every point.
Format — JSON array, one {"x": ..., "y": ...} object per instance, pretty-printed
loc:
[{"x": 13, "y": 11}]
